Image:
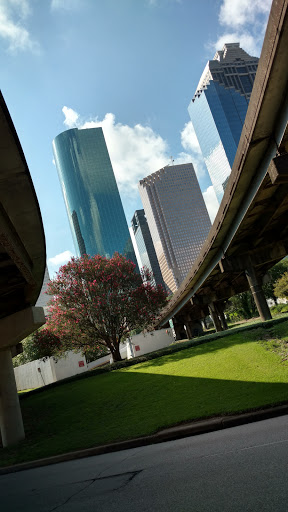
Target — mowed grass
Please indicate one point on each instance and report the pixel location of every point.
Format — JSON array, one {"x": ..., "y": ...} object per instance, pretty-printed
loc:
[{"x": 224, "y": 376}]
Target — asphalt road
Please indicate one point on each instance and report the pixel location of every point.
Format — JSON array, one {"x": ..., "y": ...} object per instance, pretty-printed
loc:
[{"x": 241, "y": 469}]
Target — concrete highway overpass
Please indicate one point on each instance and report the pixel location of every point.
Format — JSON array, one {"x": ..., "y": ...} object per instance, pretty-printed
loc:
[
  {"x": 250, "y": 232},
  {"x": 22, "y": 267}
]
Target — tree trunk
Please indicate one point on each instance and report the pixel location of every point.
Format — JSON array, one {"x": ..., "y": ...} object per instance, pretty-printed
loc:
[{"x": 115, "y": 351}]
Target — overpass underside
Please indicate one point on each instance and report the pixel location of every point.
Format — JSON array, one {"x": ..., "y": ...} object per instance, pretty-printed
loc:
[
  {"x": 250, "y": 232},
  {"x": 22, "y": 266},
  {"x": 261, "y": 242}
]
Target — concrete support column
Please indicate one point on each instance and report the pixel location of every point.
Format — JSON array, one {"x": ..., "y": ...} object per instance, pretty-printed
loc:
[
  {"x": 220, "y": 309},
  {"x": 179, "y": 328},
  {"x": 179, "y": 332},
  {"x": 215, "y": 317},
  {"x": 257, "y": 293},
  {"x": 223, "y": 320},
  {"x": 193, "y": 328},
  {"x": 11, "y": 423},
  {"x": 188, "y": 330}
]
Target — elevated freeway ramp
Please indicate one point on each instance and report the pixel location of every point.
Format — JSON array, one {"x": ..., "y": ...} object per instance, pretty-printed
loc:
[
  {"x": 250, "y": 232},
  {"x": 22, "y": 267}
]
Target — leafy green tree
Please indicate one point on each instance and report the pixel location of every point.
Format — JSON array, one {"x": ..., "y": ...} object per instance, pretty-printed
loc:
[
  {"x": 98, "y": 301},
  {"x": 281, "y": 287},
  {"x": 39, "y": 345},
  {"x": 274, "y": 274},
  {"x": 241, "y": 307}
]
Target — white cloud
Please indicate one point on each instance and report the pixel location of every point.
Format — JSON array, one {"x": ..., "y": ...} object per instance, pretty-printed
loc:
[
  {"x": 136, "y": 151},
  {"x": 193, "y": 153},
  {"x": 189, "y": 140},
  {"x": 60, "y": 259},
  {"x": 248, "y": 42},
  {"x": 211, "y": 202},
  {"x": 71, "y": 117},
  {"x": 13, "y": 14},
  {"x": 235, "y": 13},
  {"x": 245, "y": 22}
]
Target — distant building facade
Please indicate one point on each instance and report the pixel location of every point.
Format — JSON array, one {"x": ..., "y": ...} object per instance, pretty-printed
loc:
[
  {"x": 143, "y": 240},
  {"x": 91, "y": 195},
  {"x": 178, "y": 219},
  {"x": 218, "y": 109}
]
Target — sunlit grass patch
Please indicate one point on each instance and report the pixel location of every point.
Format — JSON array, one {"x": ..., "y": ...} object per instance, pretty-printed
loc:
[{"x": 227, "y": 375}]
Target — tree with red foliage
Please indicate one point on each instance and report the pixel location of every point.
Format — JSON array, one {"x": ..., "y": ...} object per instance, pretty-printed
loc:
[
  {"x": 46, "y": 343},
  {"x": 97, "y": 302}
]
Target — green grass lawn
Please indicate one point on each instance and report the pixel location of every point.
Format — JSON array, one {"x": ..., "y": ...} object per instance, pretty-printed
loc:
[{"x": 227, "y": 375}]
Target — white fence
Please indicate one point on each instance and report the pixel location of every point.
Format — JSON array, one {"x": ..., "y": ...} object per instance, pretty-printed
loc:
[
  {"x": 149, "y": 342},
  {"x": 39, "y": 373}
]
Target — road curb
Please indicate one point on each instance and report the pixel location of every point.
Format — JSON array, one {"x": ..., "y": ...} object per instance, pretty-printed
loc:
[{"x": 168, "y": 434}]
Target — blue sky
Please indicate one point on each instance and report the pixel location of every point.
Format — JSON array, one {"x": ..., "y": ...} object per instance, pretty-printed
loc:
[{"x": 130, "y": 66}]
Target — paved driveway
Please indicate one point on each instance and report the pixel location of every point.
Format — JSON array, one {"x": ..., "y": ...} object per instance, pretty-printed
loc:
[{"x": 235, "y": 470}]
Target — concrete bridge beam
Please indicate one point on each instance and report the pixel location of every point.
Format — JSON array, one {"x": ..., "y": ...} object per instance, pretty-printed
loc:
[
  {"x": 257, "y": 292},
  {"x": 215, "y": 317},
  {"x": 247, "y": 263},
  {"x": 11, "y": 423},
  {"x": 220, "y": 309},
  {"x": 193, "y": 328},
  {"x": 180, "y": 332},
  {"x": 14, "y": 328},
  {"x": 179, "y": 328}
]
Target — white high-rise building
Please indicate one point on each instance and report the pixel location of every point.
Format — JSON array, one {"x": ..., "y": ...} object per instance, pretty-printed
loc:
[{"x": 178, "y": 219}]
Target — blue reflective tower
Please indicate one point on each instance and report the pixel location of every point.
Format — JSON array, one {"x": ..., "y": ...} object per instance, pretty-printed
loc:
[
  {"x": 218, "y": 109},
  {"x": 91, "y": 195}
]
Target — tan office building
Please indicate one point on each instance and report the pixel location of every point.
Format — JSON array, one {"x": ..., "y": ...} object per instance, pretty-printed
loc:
[{"x": 177, "y": 217}]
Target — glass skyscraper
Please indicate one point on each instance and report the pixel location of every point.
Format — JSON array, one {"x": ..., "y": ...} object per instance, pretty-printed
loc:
[
  {"x": 177, "y": 218},
  {"x": 218, "y": 109},
  {"x": 91, "y": 195},
  {"x": 144, "y": 243}
]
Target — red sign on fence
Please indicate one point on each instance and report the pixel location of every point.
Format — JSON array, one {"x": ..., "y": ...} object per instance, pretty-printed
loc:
[
  {"x": 137, "y": 348},
  {"x": 81, "y": 363}
]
